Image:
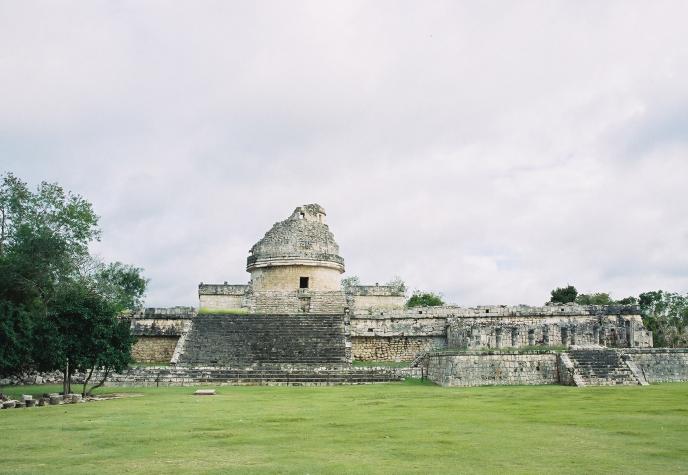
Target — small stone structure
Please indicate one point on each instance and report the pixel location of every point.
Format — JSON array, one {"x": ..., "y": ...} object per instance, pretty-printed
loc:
[{"x": 158, "y": 331}]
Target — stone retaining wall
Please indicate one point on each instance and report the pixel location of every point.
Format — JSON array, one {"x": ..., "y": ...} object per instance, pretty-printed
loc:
[
  {"x": 465, "y": 369},
  {"x": 154, "y": 349},
  {"x": 396, "y": 348},
  {"x": 660, "y": 365}
]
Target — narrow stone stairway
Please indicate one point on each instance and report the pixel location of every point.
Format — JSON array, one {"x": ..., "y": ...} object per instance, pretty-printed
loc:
[{"x": 601, "y": 367}]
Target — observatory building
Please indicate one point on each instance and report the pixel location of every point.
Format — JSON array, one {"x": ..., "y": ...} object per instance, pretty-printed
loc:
[
  {"x": 295, "y": 268},
  {"x": 294, "y": 315}
]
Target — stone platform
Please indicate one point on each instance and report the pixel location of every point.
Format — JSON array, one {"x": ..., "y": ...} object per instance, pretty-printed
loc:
[
  {"x": 580, "y": 366},
  {"x": 259, "y": 339}
]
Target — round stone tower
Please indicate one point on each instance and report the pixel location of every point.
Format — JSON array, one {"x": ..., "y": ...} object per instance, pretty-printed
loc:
[{"x": 297, "y": 253}]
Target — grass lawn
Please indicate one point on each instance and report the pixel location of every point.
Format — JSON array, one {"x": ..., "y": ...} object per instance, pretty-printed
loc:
[{"x": 391, "y": 428}]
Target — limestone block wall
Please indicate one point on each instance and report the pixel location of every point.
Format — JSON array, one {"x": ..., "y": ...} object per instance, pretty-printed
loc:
[
  {"x": 158, "y": 326},
  {"x": 515, "y": 332},
  {"x": 388, "y": 325},
  {"x": 394, "y": 348},
  {"x": 369, "y": 297},
  {"x": 660, "y": 364},
  {"x": 287, "y": 278},
  {"x": 154, "y": 349},
  {"x": 221, "y": 296},
  {"x": 220, "y": 302},
  {"x": 157, "y": 331},
  {"x": 296, "y": 301},
  {"x": 466, "y": 369},
  {"x": 566, "y": 325},
  {"x": 397, "y": 336}
]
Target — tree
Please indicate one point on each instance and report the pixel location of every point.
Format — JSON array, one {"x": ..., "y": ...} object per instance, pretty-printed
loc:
[
  {"x": 600, "y": 298},
  {"x": 121, "y": 284},
  {"x": 666, "y": 314},
  {"x": 94, "y": 337},
  {"x": 349, "y": 282},
  {"x": 398, "y": 285},
  {"x": 59, "y": 307},
  {"x": 44, "y": 236},
  {"x": 16, "y": 335},
  {"x": 627, "y": 301},
  {"x": 424, "y": 299},
  {"x": 603, "y": 298},
  {"x": 564, "y": 294}
]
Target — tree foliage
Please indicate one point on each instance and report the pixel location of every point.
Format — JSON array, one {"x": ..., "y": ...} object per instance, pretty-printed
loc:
[
  {"x": 566, "y": 294},
  {"x": 349, "y": 282},
  {"x": 424, "y": 299},
  {"x": 599, "y": 298},
  {"x": 59, "y": 307},
  {"x": 666, "y": 314},
  {"x": 398, "y": 285}
]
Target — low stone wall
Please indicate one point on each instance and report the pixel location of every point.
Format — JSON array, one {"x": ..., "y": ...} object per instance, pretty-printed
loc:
[
  {"x": 660, "y": 365},
  {"x": 172, "y": 326},
  {"x": 395, "y": 348},
  {"x": 466, "y": 369},
  {"x": 154, "y": 349}
]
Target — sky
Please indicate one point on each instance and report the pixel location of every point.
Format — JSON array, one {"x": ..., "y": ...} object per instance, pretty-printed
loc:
[{"x": 489, "y": 150}]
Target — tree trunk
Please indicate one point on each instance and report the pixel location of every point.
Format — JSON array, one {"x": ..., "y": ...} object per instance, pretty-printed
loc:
[
  {"x": 69, "y": 379},
  {"x": 86, "y": 380},
  {"x": 102, "y": 381},
  {"x": 65, "y": 378}
]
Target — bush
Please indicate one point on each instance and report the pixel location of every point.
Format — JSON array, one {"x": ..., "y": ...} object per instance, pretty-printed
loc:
[{"x": 424, "y": 299}]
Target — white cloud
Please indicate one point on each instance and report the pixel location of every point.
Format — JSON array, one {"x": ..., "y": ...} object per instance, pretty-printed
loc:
[{"x": 486, "y": 151}]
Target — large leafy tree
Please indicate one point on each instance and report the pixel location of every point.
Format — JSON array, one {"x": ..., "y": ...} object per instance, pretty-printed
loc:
[
  {"x": 59, "y": 307},
  {"x": 44, "y": 237}
]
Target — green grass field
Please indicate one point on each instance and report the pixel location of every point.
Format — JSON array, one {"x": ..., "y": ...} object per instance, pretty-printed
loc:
[{"x": 392, "y": 428}]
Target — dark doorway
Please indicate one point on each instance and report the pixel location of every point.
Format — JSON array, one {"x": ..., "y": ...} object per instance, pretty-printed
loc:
[{"x": 303, "y": 282}]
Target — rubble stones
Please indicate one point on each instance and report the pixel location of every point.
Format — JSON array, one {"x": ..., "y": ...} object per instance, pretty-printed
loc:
[
  {"x": 205, "y": 392},
  {"x": 52, "y": 377},
  {"x": 56, "y": 400}
]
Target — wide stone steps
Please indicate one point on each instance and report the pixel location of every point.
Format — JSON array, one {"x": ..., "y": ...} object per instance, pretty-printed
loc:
[
  {"x": 236, "y": 340},
  {"x": 276, "y": 376},
  {"x": 601, "y": 367}
]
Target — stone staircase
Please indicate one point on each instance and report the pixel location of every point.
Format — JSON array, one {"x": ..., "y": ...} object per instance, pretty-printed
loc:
[
  {"x": 259, "y": 376},
  {"x": 601, "y": 367},
  {"x": 258, "y": 339}
]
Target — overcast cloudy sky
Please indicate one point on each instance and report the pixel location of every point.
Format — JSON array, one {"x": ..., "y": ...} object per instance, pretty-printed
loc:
[{"x": 489, "y": 151}]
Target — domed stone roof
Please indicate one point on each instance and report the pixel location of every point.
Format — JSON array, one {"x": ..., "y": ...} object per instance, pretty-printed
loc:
[{"x": 301, "y": 239}]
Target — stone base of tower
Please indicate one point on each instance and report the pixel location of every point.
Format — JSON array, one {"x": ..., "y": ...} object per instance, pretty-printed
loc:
[{"x": 298, "y": 301}]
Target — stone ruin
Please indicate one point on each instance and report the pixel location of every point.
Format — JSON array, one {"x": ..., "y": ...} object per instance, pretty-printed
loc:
[
  {"x": 293, "y": 323},
  {"x": 293, "y": 315}
]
